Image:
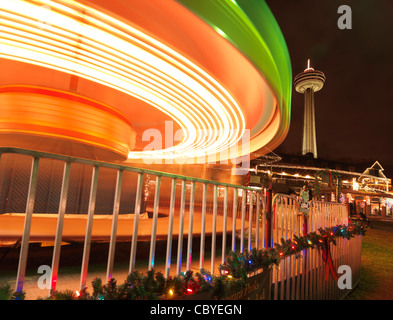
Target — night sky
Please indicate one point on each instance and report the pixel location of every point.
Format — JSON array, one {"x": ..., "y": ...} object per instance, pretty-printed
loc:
[{"x": 354, "y": 110}]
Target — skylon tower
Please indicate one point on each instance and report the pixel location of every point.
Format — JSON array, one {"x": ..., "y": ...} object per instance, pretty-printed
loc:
[{"x": 307, "y": 83}]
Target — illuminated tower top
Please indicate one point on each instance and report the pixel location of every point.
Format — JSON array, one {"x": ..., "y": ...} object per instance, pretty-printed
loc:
[
  {"x": 309, "y": 79},
  {"x": 307, "y": 83}
]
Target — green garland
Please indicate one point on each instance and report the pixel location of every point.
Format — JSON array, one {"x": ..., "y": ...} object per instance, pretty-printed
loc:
[{"x": 234, "y": 274}]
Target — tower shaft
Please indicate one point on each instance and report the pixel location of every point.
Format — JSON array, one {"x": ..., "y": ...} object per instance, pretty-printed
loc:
[{"x": 309, "y": 132}]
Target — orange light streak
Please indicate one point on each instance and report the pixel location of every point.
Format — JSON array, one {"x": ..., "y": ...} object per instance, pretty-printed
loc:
[{"x": 117, "y": 55}]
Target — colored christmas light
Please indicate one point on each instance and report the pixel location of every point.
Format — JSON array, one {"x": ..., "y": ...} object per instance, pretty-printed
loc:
[{"x": 238, "y": 266}]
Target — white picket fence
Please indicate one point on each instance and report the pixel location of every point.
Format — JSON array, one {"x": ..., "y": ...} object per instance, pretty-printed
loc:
[{"x": 303, "y": 276}]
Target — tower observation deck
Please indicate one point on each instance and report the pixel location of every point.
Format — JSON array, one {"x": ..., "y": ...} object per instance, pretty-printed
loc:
[{"x": 307, "y": 83}]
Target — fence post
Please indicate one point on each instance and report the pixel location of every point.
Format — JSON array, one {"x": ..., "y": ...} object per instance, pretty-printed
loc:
[
  {"x": 115, "y": 216},
  {"x": 190, "y": 226},
  {"x": 154, "y": 225},
  {"x": 89, "y": 227},
  {"x": 269, "y": 197},
  {"x": 234, "y": 215},
  {"x": 60, "y": 224},
  {"x": 170, "y": 229},
  {"x": 20, "y": 278},
  {"x": 181, "y": 226},
  {"x": 137, "y": 212},
  {"x": 202, "y": 245}
]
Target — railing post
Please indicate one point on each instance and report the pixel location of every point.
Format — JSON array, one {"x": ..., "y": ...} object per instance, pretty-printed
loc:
[
  {"x": 154, "y": 225},
  {"x": 115, "y": 215},
  {"x": 269, "y": 198},
  {"x": 138, "y": 200},
  {"x": 234, "y": 213},
  {"x": 213, "y": 247},
  {"x": 170, "y": 229},
  {"x": 20, "y": 278},
  {"x": 249, "y": 244},
  {"x": 202, "y": 246},
  {"x": 306, "y": 258},
  {"x": 224, "y": 227},
  {"x": 257, "y": 220},
  {"x": 89, "y": 227},
  {"x": 244, "y": 193},
  {"x": 190, "y": 226},
  {"x": 60, "y": 224},
  {"x": 181, "y": 226}
]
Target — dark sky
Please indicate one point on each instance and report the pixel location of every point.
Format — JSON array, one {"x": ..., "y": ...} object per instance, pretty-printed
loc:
[{"x": 354, "y": 110}]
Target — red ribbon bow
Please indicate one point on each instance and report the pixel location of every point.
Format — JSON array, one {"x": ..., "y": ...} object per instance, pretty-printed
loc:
[{"x": 326, "y": 256}]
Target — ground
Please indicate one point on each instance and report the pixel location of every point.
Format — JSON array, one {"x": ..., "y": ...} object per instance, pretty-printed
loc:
[{"x": 376, "y": 274}]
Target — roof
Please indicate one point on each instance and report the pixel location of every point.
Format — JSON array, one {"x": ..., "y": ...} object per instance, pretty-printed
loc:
[{"x": 375, "y": 170}]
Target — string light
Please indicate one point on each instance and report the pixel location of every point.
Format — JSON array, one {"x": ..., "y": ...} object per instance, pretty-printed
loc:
[
  {"x": 224, "y": 272},
  {"x": 357, "y": 228}
]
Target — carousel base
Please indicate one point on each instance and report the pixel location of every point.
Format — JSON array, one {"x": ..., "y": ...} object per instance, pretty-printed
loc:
[{"x": 43, "y": 227}]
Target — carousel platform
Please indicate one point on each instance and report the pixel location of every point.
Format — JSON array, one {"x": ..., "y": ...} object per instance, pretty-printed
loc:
[{"x": 43, "y": 226}]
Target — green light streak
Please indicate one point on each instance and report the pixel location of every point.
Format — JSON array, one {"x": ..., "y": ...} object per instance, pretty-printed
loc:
[{"x": 251, "y": 27}]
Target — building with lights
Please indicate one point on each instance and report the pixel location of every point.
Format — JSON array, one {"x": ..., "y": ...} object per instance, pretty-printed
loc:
[{"x": 367, "y": 191}]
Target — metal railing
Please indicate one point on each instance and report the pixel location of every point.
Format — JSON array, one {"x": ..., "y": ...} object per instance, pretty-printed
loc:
[
  {"x": 229, "y": 202},
  {"x": 185, "y": 213}
]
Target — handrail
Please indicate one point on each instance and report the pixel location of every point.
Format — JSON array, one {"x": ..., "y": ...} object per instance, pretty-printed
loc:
[
  {"x": 110, "y": 165},
  {"x": 327, "y": 202},
  {"x": 283, "y": 194}
]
